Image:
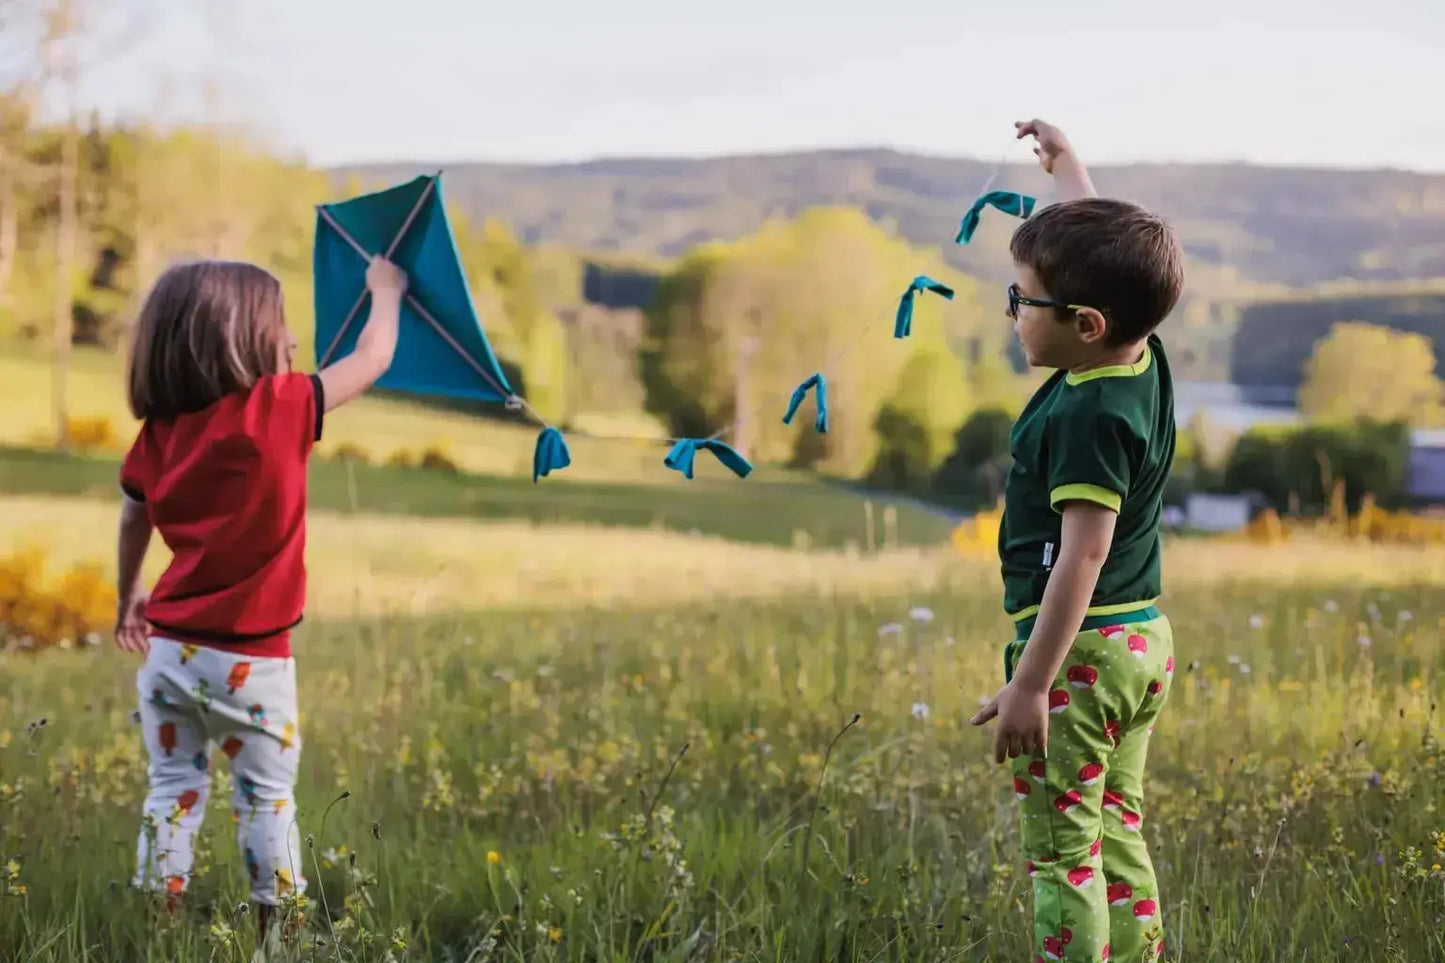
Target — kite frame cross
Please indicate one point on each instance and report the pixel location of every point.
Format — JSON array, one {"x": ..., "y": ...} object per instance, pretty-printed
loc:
[{"x": 512, "y": 400}]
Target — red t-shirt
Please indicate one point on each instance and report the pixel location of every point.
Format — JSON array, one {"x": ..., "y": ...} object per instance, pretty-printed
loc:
[{"x": 226, "y": 489}]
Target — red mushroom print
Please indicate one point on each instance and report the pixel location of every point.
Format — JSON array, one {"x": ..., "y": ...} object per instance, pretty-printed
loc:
[
  {"x": 1096, "y": 847},
  {"x": 1146, "y": 910},
  {"x": 186, "y": 800},
  {"x": 1090, "y": 773},
  {"x": 167, "y": 736},
  {"x": 232, "y": 747},
  {"x": 1155, "y": 687},
  {"x": 1111, "y": 729},
  {"x": 1120, "y": 893},
  {"x": 1036, "y": 770},
  {"x": 1066, "y": 935},
  {"x": 1131, "y": 820},
  {"x": 1033, "y": 869},
  {"x": 1169, "y": 666},
  {"x": 1138, "y": 645},
  {"x": 1058, "y": 701},
  {"x": 1113, "y": 800},
  {"x": 1104, "y": 953},
  {"x": 1068, "y": 801},
  {"x": 1082, "y": 676},
  {"x": 1111, "y": 631},
  {"x": 1021, "y": 788},
  {"x": 1081, "y": 876},
  {"x": 1053, "y": 948}
]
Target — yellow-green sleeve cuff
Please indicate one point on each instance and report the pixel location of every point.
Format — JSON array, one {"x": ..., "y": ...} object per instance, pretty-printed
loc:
[{"x": 1085, "y": 493}]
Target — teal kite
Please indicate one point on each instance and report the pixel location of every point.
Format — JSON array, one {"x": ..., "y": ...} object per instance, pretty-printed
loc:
[
  {"x": 441, "y": 349},
  {"x": 684, "y": 452}
]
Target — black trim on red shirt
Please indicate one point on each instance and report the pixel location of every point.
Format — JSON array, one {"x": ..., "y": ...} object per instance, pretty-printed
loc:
[
  {"x": 201, "y": 636},
  {"x": 133, "y": 494},
  {"x": 320, "y": 391}
]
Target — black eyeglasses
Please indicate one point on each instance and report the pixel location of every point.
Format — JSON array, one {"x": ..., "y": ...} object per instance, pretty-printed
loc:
[{"x": 1015, "y": 299}]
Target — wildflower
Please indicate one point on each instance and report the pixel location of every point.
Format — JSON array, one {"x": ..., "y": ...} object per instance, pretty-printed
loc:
[
  {"x": 1364, "y": 641},
  {"x": 1244, "y": 668},
  {"x": 921, "y": 613},
  {"x": 1256, "y": 621},
  {"x": 494, "y": 858},
  {"x": 920, "y": 711},
  {"x": 1331, "y": 605},
  {"x": 1234, "y": 660},
  {"x": 890, "y": 628}
]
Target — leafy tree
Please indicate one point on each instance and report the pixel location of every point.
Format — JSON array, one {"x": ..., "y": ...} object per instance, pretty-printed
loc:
[{"x": 1369, "y": 371}]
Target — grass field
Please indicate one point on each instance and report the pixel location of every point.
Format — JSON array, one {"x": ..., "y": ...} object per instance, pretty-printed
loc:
[
  {"x": 1295, "y": 802},
  {"x": 703, "y": 721}
]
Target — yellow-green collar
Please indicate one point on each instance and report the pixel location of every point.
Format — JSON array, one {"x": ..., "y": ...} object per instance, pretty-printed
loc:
[{"x": 1113, "y": 370}]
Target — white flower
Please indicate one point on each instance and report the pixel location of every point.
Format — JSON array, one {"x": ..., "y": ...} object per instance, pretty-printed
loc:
[
  {"x": 920, "y": 711},
  {"x": 1331, "y": 605},
  {"x": 890, "y": 628},
  {"x": 1364, "y": 641},
  {"x": 921, "y": 614},
  {"x": 1406, "y": 615},
  {"x": 1256, "y": 621},
  {"x": 1234, "y": 660},
  {"x": 1244, "y": 669}
]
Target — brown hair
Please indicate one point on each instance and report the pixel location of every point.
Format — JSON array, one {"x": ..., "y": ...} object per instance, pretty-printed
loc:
[
  {"x": 207, "y": 329},
  {"x": 1109, "y": 255}
]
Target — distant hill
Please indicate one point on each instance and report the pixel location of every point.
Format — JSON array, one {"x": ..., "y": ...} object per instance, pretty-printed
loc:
[{"x": 1250, "y": 230}]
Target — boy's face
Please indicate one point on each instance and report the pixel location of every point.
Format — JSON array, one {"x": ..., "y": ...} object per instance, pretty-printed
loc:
[{"x": 1048, "y": 341}]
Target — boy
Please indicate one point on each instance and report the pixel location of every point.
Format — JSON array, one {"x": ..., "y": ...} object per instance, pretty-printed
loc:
[{"x": 1080, "y": 551}]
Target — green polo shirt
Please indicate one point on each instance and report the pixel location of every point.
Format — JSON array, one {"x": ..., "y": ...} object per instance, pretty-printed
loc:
[{"x": 1103, "y": 436}]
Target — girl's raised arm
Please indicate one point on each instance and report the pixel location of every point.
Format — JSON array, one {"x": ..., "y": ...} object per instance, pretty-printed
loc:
[{"x": 375, "y": 346}]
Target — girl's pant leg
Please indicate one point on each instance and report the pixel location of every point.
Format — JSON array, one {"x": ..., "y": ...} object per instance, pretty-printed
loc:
[
  {"x": 264, "y": 745},
  {"x": 176, "y": 740}
]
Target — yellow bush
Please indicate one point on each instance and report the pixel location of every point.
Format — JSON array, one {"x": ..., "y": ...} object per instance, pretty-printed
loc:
[
  {"x": 979, "y": 535},
  {"x": 92, "y": 434},
  {"x": 401, "y": 458},
  {"x": 436, "y": 458},
  {"x": 37, "y": 614},
  {"x": 349, "y": 451}
]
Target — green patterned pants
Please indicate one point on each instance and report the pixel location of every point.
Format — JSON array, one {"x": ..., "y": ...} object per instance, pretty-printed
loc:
[{"x": 1082, "y": 809}]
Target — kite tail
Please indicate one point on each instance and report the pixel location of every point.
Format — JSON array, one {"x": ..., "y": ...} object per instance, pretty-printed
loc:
[
  {"x": 551, "y": 454},
  {"x": 799, "y": 393},
  {"x": 684, "y": 452},
  {"x": 903, "y": 325},
  {"x": 1010, "y": 202}
]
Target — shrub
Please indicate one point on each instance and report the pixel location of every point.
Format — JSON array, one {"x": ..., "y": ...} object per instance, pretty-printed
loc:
[{"x": 37, "y": 614}]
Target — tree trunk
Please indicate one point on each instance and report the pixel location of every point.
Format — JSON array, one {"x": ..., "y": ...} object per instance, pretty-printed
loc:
[{"x": 64, "y": 284}]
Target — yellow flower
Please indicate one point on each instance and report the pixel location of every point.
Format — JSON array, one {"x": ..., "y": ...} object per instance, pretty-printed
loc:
[
  {"x": 555, "y": 934},
  {"x": 493, "y": 857}
]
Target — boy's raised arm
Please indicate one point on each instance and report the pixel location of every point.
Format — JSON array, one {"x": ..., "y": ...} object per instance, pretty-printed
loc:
[{"x": 1056, "y": 156}]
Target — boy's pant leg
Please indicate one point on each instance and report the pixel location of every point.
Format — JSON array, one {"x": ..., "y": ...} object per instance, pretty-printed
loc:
[
  {"x": 1104, "y": 701},
  {"x": 1136, "y": 925}
]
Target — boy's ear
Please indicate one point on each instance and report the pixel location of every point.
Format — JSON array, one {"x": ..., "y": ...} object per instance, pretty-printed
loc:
[{"x": 1091, "y": 325}]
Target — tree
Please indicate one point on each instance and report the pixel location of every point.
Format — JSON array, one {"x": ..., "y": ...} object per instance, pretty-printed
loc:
[{"x": 1367, "y": 371}]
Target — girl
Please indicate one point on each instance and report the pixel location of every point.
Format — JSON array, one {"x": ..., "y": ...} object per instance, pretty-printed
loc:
[{"x": 219, "y": 467}]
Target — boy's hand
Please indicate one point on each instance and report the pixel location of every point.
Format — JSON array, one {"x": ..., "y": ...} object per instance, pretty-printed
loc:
[
  {"x": 1023, "y": 721},
  {"x": 132, "y": 634},
  {"x": 385, "y": 278},
  {"x": 1052, "y": 144}
]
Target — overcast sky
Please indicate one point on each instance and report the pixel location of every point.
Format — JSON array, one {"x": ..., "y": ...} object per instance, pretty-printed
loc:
[{"x": 1323, "y": 83}]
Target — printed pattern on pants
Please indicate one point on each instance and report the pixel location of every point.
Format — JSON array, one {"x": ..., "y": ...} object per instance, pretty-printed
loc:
[
  {"x": 192, "y": 700},
  {"x": 1082, "y": 808}
]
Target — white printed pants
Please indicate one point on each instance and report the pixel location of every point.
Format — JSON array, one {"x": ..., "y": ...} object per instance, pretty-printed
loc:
[{"x": 192, "y": 699}]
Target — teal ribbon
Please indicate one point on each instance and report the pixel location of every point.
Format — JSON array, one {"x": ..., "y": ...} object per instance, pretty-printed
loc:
[
  {"x": 683, "y": 453},
  {"x": 799, "y": 393},
  {"x": 551, "y": 454},
  {"x": 1019, "y": 205},
  {"x": 903, "y": 324}
]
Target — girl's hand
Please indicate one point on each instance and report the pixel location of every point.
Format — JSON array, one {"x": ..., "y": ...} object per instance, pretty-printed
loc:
[
  {"x": 1052, "y": 144},
  {"x": 1023, "y": 721},
  {"x": 385, "y": 278},
  {"x": 132, "y": 633}
]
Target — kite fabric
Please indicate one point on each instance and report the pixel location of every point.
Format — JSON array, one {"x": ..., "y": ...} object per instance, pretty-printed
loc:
[
  {"x": 1019, "y": 205},
  {"x": 407, "y": 224},
  {"x": 799, "y": 393},
  {"x": 903, "y": 324},
  {"x": 683, "y": 453},
  {"x": 551, "y": 454}
]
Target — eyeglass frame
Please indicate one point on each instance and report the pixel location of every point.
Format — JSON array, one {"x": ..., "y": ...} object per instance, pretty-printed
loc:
[{"x": 1015, "y": 299}]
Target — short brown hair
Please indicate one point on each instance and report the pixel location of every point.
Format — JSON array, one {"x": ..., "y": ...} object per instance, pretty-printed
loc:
[
  {"x": 1109, "y": 255},
  {"x": 207, "y": 329}
]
